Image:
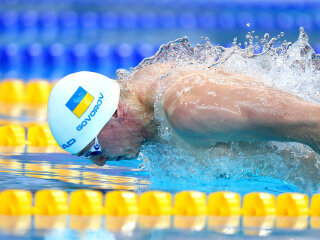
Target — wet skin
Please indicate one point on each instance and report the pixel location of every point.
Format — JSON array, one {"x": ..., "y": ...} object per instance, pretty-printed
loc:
[
  {"x": 209, "y": 106},
  {"x": 205, "y": 108},
  {"x": 117, "y": 139}
]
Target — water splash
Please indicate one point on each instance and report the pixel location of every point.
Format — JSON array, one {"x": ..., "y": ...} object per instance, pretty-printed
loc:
[{"x": 291, "y": 67}]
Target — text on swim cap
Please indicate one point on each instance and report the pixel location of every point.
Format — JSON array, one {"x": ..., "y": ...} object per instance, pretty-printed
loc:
[
  {"x": 69, "y": 143},
  {"x": 91, "y": 114}
]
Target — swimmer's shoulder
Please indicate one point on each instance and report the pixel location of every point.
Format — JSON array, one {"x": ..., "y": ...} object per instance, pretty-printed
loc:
[{"x": 242, "y": 78}]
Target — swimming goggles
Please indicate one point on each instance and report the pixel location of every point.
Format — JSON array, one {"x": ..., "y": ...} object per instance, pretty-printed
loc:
[{"x": 95, "y": 149}]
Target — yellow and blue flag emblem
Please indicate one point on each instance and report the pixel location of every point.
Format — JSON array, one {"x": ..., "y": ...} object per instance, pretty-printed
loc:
[{"x": 79, "y": 102}]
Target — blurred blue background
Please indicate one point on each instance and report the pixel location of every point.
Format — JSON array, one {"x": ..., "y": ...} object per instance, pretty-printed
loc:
[{"x": 51, "y": 38}]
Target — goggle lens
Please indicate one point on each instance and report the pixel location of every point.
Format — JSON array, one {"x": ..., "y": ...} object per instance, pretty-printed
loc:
[{"x": 95, "y": 149}]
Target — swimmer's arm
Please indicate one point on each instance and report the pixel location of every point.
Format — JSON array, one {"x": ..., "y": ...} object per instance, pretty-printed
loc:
[{"x": 228, "y": 111}]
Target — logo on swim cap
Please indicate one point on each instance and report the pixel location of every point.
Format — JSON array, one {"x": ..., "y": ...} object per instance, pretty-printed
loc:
[{"x": 79, "y": 102}]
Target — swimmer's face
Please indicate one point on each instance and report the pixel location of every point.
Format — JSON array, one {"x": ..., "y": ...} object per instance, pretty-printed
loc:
[{"x": 117, "y": 140}]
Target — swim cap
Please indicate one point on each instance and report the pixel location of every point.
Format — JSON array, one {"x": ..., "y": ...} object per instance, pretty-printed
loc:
[{"x": 80, "y": 104}]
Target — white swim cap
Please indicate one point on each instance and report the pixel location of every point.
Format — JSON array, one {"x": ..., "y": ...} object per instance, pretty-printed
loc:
[{"x": 80, "y": 104}]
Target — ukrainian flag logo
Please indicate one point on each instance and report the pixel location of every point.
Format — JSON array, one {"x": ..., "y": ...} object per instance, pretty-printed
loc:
[{"x": 79, "y": 102}]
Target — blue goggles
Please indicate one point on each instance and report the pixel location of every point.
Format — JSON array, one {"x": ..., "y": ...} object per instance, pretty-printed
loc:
[{"x": 95, "y": 149}]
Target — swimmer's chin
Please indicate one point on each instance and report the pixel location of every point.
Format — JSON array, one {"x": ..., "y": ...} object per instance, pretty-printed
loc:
[
  {"x": 126, "y": 157},
  {"x": 101, "y": 163}
]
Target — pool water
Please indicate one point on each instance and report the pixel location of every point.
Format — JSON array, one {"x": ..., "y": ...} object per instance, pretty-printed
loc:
[
  {"x": 159, "y": 167},
  {"x": 34, "y": 171},
  {"x": 53, "y": 40}
]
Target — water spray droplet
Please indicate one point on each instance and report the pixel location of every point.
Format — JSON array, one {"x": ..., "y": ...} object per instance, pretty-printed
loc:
[{"x": 234, "y": 41}]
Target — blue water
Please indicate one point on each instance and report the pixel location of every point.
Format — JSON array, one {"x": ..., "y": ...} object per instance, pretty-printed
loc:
[
  {"x": 34, "y": 171},
  {"x": 49, "y": 39}
]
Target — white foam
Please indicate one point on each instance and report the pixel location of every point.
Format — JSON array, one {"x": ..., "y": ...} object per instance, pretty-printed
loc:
[{"x": 290, "y": 67}]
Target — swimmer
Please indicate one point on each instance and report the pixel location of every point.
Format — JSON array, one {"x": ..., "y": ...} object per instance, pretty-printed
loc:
[{"x": 103, "y": 119}]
